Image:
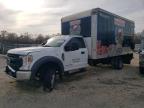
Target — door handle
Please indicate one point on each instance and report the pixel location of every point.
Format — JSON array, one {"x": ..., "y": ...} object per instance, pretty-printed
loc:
[
  {"x": 82, "y": 52},
  {"x": 63, "y": 57}
]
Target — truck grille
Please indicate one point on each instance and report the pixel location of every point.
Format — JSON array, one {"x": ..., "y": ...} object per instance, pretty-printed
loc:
[{"x": 14, "y": 61}]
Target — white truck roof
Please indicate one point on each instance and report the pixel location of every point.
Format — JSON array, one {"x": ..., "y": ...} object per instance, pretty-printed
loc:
[{"x": 89, "y": 13}]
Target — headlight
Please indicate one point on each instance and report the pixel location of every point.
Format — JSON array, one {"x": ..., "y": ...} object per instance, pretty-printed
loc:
[{"x": 27, "y": 60}]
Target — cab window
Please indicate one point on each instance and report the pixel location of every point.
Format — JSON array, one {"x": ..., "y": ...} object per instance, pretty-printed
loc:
[{"x": 75, "y": 44}]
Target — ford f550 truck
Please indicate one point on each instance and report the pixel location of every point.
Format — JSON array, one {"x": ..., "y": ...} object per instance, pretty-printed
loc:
[{"x": 90, "y": 37}]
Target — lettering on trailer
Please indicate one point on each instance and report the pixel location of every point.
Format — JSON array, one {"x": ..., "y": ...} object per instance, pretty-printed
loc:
[{"x": 75, "y": 27}]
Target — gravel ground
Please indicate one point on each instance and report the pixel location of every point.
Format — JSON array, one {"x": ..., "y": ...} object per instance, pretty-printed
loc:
[{"x": 98, "y": 87}]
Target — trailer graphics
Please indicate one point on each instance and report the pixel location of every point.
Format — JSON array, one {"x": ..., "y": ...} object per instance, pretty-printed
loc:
[{"x": 113, "y": 34}]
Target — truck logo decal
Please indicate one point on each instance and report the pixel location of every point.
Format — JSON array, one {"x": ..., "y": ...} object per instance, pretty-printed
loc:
[
  {"x": 75, "y": 27},
  {"x": 76, "y": 60}
]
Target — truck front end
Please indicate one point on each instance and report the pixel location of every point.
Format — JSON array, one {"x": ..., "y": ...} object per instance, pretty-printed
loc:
[
  {"x": 24, "y": 63},
  {"x": 18, "y": 66}
]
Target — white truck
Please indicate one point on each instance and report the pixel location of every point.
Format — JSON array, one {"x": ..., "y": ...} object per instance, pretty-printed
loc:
[{"x": 90, "y": 37}]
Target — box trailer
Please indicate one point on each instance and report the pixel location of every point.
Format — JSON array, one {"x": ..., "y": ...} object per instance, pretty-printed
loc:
[{"x": 107, "y": 35}]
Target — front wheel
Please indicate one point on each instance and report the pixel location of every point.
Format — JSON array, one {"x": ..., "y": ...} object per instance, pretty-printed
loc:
[{"x": 49, "y": 78}]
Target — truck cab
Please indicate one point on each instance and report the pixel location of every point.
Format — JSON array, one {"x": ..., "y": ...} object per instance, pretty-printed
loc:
[{"x": 60, "y": 54}]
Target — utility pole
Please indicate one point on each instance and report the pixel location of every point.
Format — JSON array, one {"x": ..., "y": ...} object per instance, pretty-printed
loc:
[{"x": 3, "y": 33}]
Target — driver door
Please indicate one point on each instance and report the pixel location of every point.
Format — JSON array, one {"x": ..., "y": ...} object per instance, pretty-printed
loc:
[{"x": 75, "y": 54}]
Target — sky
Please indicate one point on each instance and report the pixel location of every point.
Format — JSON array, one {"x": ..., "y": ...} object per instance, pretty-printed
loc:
[{"x": 44, "y": 16}]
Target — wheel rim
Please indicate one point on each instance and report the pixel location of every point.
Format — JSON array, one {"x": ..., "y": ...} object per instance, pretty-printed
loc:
[{"x": 53, "y": 80}]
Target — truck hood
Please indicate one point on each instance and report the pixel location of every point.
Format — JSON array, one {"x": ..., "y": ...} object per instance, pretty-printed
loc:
[{"x": 26, "y": 50}]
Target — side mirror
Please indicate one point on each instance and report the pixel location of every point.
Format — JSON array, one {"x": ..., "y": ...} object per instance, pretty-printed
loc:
[{"x": 43, "y": 43}]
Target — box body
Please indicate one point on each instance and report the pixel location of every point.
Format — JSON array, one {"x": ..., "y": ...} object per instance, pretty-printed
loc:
[{"x": 105, "y": 34}]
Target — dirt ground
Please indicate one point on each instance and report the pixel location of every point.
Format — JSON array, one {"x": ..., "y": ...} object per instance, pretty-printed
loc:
[{"x": 98, "y": 87}]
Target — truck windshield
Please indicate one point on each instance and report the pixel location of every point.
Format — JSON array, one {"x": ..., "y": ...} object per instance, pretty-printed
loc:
[{"x": 55, "y": 42}]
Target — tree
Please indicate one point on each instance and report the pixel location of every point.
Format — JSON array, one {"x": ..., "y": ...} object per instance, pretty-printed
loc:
[
  {"x": 3, "y": 35},
  {"x": 11, "y": 38},
  {"x": 25, "y": 39},
  {"x": 142, "y": 33},
  {"x": 40, "y": 39},
  {"x": 138, "y": 37}
]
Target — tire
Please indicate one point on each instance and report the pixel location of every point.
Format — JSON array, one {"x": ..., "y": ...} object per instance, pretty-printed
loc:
[
  {"x": 48, "y": 79},
  {"x": 94, "y": 64},
  {"x": 117, "y": 63},
  {"x": 141, "y": 70}
]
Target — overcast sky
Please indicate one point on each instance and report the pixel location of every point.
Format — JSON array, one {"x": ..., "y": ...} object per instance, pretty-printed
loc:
[{"x": 43, "y": 16}]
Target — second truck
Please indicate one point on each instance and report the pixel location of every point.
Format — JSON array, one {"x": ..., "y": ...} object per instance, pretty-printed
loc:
[{"x": 90, "y": 37}]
